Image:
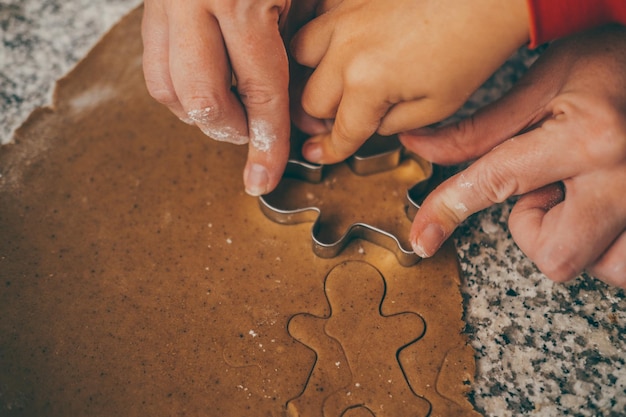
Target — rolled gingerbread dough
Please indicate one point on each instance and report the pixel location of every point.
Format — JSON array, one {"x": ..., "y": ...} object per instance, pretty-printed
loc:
[{"x": 137, "y": 278}]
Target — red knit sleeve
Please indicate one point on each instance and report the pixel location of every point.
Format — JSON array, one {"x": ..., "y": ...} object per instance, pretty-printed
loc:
[{"x": 552, "y": 19}]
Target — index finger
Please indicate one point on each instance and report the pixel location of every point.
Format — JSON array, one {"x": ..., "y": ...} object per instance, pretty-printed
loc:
[
  {"x": 518, "y": 166},
  {"x": 358, "y": 116},
  {"x": 259, "y": 61}
]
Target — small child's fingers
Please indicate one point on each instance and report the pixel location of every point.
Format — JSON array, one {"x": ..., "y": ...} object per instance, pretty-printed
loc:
[
  {"x": 299, "y": 117},
  {"x": 323, "y": 90},
  {"x": 358, "y": 118},
  {"x": 308, "y": 124},
  {"x": 311, "y": 42},
  {"x": 408, "y": 115}
]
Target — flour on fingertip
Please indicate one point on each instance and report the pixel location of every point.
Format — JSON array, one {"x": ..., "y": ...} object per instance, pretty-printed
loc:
[
  {"x": 461, "y": 207},
  {"x": 464, "y": 182},
  {"x": 204, "y": 119},
  {"x": 261, "y": 136},
  {"x": 200, "y": 116},
  {"x": 225, "y": 134}
]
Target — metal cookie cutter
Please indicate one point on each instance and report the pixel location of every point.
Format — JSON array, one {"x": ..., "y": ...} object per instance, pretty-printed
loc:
[{"x": 377, "y": 155}]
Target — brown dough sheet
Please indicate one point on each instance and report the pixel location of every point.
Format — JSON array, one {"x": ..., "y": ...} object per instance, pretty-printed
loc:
[{"x": 137, "y": 278}]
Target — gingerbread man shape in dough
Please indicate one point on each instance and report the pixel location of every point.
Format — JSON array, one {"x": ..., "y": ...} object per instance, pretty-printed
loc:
[{"x": 370, "y": 342}]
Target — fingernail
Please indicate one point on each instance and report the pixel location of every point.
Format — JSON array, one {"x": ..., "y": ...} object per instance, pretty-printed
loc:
[
  {"x": 427, "y": 243},
  {"x": 312, "y": 151},
  {"x": 257, "y": 180}
]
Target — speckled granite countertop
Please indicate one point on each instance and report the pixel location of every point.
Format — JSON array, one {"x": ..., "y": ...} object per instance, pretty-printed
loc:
[{"x": 543, "y": 349}]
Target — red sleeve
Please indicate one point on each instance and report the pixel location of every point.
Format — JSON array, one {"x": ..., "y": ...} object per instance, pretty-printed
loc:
[{"x": 552, "y": 19}]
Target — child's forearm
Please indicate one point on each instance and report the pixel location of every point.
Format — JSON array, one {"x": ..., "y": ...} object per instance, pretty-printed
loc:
[{"x": 552, "y": 19}]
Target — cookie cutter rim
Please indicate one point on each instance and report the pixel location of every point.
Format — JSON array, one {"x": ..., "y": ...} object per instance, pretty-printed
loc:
[{"x": 361, "y": 165}]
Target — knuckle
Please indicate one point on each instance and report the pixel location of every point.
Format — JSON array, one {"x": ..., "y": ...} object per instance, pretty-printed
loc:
[
  {"x": 446, "y": 202},
  {"x": 599, "y": 129},
  {"x": 161, "y": 92},
  {"x": 343, "y": 140},
  {"x": 298, "y": 51},
  {"x": 463, "y": 128},
  {"x": 460, "y": 137},
  {"x": 453, "y": 216},
  {"x": 613, "y": 272},
  {"x": 205, "y": 109},
  {"x": 341, "y": 134},
  {"x": 386, "y": 129},
  {"x": 609, "y": 144},
  {"x": 364, "y": 74},
  {"x": 314, "y": 106},
  {"x": 611, "y": 267},
  {"x": 257, "y": 98},
  {"x": 253, "y": 93},
  {"x": 309, "y": 107},
  {"x": 495, "y": 184},
  {"x": 559, "y": 264}
]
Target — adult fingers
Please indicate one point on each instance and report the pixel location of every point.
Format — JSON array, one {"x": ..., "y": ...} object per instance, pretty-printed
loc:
[
  {"x": 154, "y": 30},
  {"x": 201, "y": 75},
  {"x": 611, "y": 267},
  {"x": 323, "y": 91},
  {"x": 259, "y": 60},
  {"x": 565, "y": 238},
  {"x": 516, "y": 167}
]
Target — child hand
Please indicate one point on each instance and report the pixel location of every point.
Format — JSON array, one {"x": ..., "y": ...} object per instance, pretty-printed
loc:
[
  {"x": 191, "y": 50},
  {"x": 568, "y": 164},
  {"x": 393, "y": 66}
]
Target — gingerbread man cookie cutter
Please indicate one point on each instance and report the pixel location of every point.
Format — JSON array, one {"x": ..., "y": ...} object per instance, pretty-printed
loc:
[{"x": 378, "y": 155}]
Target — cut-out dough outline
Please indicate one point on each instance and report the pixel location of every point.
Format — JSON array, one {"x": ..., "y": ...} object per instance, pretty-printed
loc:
[
  {"x": 340, "y": 396},
  {"x": 361, "y": 163}
]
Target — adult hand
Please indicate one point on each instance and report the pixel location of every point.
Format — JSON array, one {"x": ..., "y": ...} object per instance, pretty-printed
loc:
[
  {"x": 193, "y": 48},
  {"x": 568, "y": 163},
  {"x": 388, "y": 67}
]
